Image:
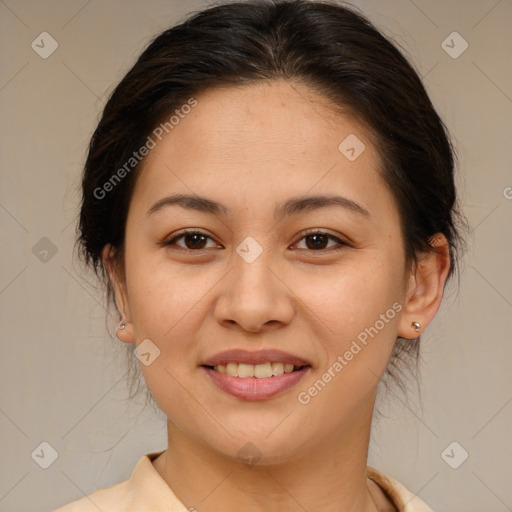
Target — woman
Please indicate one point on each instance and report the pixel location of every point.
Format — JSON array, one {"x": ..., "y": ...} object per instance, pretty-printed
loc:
[{"x": 270, "y": 199}]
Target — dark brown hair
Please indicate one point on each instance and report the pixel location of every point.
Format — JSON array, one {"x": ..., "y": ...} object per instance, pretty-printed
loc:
[{"x": 329, "y": 47}]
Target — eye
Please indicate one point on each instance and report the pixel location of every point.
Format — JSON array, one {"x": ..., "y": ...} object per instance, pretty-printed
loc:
[
  {"x": 193, "y": 240},
  {"x": 317, "y": 241}
]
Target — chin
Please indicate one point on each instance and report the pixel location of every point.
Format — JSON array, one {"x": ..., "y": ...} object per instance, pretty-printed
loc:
[{"x": 258, "y": 449}]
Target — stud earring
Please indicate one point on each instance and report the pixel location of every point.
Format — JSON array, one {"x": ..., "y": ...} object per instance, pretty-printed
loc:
[
  {"x": 416, "y": 326},
  {"x": 120, "y": 327}
]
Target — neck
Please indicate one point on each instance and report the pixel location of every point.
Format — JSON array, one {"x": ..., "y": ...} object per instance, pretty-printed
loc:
[{"x": 329, "y": 475}]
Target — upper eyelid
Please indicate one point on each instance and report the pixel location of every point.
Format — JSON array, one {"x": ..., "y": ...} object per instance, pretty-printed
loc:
[
  {"x": 189, "y": 231},
  {"x": 308, "y": 232}
]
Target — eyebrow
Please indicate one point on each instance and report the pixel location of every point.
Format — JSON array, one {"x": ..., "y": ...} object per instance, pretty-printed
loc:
[{"x": 292, "y": 206}]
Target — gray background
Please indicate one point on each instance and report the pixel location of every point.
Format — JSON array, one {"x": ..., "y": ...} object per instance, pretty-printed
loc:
[{"x": 62, "y": 377}]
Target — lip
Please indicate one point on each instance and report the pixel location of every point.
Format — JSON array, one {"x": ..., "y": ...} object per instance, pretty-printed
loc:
[
  {"x": 259, "y": 357},
  {"x": 253, "y": 388}
]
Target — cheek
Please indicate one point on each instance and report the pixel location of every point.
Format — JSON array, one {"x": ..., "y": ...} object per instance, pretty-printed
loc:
[
  {"x": 356, "y": 330},
  {"x": 362, "y": 314},
  {"x": 165, "y": 305},
  {"x": 162, "y": 296},
  {"x": 352, "y": 298}
]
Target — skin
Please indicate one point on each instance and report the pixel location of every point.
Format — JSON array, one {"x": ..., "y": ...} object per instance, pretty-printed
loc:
[{"x": 251, "y": 148}]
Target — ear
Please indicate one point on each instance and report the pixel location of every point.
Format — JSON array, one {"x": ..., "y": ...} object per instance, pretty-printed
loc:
[
  {"x": 425, "y": 288},
  {"x": 117, "y": 279}
]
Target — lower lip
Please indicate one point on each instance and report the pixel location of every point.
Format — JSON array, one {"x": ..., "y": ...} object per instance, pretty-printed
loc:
[{"x": 253, "y": 388}]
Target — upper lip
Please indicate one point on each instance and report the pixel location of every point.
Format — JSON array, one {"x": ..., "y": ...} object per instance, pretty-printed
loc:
[{"x": 259, "y": 357}]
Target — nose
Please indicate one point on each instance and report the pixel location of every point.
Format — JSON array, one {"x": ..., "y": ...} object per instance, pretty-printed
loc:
[{"x": 254, "y": 297}]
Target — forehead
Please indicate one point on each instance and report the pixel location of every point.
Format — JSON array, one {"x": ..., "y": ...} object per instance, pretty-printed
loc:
[
  {"x": 284, "y": 117},
  {"x": 263, "y": 140}
]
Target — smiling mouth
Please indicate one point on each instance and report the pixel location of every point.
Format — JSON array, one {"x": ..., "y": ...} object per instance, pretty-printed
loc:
[{"x": 259, "y": 371}]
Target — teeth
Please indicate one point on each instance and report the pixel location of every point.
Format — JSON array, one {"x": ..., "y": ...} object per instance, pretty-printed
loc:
[
  {"x": 277, "y": 368},
  {"x": 246, "y": 370},
  {"x": 260, "y": 371}
]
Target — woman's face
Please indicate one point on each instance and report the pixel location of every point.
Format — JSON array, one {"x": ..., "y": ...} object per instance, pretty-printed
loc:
[{"x": 254, "y": 278}]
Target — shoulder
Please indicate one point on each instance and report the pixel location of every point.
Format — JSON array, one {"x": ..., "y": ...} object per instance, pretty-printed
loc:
[
  {"x": 124, "y": 495},
  {"x": 112, "y": 499},
  {"x": 144, "y": 491},
  {"x": 403, "y": 499}
]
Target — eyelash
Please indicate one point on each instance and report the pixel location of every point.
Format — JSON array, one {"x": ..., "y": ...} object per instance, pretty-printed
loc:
[{"x": 312, "y": 232}]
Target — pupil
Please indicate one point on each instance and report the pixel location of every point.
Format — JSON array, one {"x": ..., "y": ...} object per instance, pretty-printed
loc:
[
  {"x": 317, "y": 245},
  {"x": 196, "y": 238}
]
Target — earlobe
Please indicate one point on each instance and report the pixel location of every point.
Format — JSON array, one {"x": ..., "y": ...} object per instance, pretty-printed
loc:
[
  {"x": 123, "y": 331},
  {"x": 425, "y": 288}
]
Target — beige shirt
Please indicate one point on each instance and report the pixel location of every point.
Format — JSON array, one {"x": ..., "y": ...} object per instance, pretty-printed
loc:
[{"x": 146, "y": 491}]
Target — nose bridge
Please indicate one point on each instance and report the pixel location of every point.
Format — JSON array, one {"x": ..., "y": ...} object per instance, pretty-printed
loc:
[
  {"x": 253, "y": 294},
  {"x": 252, "y": 274}
]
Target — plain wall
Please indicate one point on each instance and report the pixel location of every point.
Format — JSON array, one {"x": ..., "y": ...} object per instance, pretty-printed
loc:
[{"x": 62, "y": 378}]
